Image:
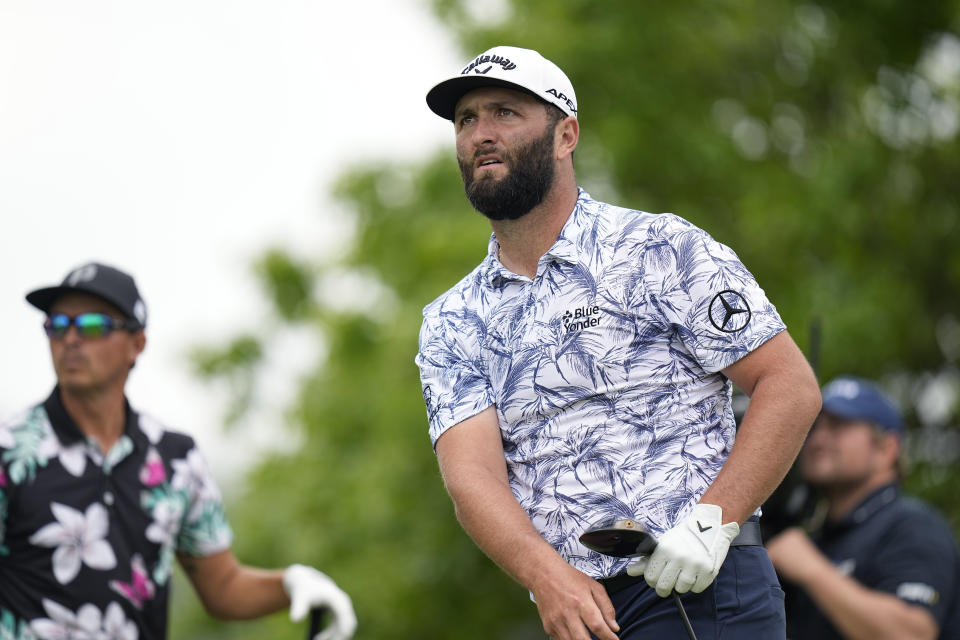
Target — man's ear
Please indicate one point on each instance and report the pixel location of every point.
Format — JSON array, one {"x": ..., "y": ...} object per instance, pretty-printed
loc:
[
  {"x": 567, "y": 135},
  {"x": 138, "y": 343},
  {"x": 890, "y": 446}
]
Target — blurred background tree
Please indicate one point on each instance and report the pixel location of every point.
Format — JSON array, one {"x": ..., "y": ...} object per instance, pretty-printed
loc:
[{"x": 817, "y": 139}]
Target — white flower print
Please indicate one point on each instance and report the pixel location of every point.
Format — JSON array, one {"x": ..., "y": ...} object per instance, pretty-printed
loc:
[
  {"x": 63, "y": 624},
  {"x": 79, "y": 539},
  {"x": 189, "y": 474},
  {"x": 49, "y": 446},
  {"x": 29, "y": 443},
  {"x": 151, "y": 428},
  {"x": 87, "y": 624},
  {"x": 116, "y": 626},
  {"x": 192, "y": 476},
  {"x": 166, "y": 522},
  {"x": 74, "y": 458}
]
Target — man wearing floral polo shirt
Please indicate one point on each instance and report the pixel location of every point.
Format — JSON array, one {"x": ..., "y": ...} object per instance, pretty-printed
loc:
[
  {"x": 96, "y": 499},
  {"x": 583, "y": 372}
]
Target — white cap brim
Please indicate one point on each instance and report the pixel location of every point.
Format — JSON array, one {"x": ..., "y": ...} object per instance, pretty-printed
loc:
[{"x": 443, "y": 98}]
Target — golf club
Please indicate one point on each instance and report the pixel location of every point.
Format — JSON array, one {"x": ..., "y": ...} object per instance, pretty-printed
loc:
[
  {"x": 625, "y": 538},
  {"x": 316, "y": 622}
]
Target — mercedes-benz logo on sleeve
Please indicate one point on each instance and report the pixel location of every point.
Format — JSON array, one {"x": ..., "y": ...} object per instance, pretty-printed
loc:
[{"x": 729, "y": 311}]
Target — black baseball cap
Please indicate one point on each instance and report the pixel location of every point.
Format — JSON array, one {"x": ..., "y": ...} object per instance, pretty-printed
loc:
[{"x": 100, "y": 280}]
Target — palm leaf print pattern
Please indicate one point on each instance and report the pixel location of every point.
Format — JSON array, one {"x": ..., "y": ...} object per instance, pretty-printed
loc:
[{"x": 604, "y": 369}]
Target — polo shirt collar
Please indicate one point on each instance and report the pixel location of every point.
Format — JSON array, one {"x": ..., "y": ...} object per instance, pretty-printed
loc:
[
  {"x": 69, "y": 433},
  {"x": 563, "y": 250},
  {"x": 866, "y": 509}
]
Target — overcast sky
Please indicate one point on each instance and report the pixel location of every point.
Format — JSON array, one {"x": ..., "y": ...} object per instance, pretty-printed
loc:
[{"x": 179, "y": 139}]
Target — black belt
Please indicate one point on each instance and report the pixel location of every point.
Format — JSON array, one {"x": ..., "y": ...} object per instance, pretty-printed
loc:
[{"x": 749, "y": 535}]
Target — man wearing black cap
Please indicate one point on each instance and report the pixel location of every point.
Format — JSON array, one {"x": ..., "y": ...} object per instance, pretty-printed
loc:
[
  {"x": 881, "y": 565},
  {"x": 97, "y": 499},
  {"x": 582, "y": 372}
]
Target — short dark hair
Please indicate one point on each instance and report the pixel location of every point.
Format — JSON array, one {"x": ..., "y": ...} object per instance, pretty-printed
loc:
[
  {"x": 555, "y": 116},
  {"x": 554, "y": 113}
]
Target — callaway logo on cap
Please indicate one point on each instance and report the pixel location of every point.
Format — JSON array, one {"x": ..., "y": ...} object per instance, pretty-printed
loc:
[{"x": 510, "y": 67}]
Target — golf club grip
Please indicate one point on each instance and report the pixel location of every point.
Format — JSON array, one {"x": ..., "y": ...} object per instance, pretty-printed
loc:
[{"x": 316, "y": 621}]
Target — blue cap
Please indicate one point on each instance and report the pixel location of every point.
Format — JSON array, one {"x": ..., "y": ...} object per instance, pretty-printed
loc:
[{"x": 858, "y": 399}]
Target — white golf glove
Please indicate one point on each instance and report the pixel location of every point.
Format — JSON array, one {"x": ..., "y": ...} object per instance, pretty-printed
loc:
[
  {"x": 309, "y": 589},
  {"x": 688, "y": 556}
]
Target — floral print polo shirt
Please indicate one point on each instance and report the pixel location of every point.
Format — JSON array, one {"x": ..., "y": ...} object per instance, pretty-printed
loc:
[
  {"x": 87, "y": 540},
  {"x": 605, "y": 369}
]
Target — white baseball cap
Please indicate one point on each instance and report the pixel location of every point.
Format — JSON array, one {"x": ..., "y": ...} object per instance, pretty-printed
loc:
[{"x": 511, "y": 67}]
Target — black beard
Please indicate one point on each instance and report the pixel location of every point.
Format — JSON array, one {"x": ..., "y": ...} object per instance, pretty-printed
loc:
[{"x": 524, "y": 187}]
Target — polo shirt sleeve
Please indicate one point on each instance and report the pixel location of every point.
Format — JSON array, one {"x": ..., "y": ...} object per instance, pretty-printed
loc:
[
  {"x": 451, "y": 374},
  {"x": 204, "y": 529},
  {"x": 917, "y": 563},
  {"x": 702, "y": 289},
  {"x": 3, "y": 508},
  {"x": 7, "y": 442}
]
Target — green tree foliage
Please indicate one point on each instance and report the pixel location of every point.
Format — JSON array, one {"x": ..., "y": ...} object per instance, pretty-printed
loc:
[{"x": 818, "y": 140}]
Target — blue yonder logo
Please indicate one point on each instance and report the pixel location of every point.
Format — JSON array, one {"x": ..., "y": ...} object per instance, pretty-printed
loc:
[{"x": 581, "y": 318}]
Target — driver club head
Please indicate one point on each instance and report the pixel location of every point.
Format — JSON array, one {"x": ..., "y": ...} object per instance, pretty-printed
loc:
[
  {"x": 619, "y": 537},
  {"x": 625, "y": 538}
]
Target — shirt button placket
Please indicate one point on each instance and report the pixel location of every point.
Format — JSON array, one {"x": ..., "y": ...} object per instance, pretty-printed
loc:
[{"x": 106, "y": 482}]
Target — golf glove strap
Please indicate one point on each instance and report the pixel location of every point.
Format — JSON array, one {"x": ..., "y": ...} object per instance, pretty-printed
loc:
[
  {"x": 309, "y": 589},
  {"x": 688, "y": 556}
]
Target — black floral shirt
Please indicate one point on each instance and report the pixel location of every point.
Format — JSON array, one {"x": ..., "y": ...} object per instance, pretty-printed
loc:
[{"x": 87, "y": 539}]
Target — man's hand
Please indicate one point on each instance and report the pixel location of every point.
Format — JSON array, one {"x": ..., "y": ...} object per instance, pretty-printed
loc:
[
  {"x": 309, "y": 589},
  {"x": 570, "y": 602},
  {"x": 794, "y": 555},
  {"x": 474, "y": 471},
  {"x": 688, "y": 557}
]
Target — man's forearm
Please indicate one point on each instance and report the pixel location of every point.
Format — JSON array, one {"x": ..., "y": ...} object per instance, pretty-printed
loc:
[
  {"x": 784, "y": 401},
  {"x": 860, "y": 613},
  {"x": 474, "y": 470},
  {"x": 767, "y": 443},
  {"x": 255, "y": 593},
  {"x": 567, "y": 599},
  {"x": 490, "y": 514},
  {"x": 231, "y": 591},
  {"x": 857, "y": 611}
]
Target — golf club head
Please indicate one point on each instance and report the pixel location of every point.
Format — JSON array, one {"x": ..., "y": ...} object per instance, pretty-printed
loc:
[
  {"x": 619, "y": 537},
  {"x": 625, "y": 538}
]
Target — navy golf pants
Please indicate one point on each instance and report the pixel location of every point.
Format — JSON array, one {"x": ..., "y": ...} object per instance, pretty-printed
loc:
[{"x": 745, "y": 602}]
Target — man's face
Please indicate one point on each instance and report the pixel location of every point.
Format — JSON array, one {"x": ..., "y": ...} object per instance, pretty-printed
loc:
[
  {"x": 506, "y": 151},
  {"x": 92, "y": 364},
  {"x": 842, "y": 453}
]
